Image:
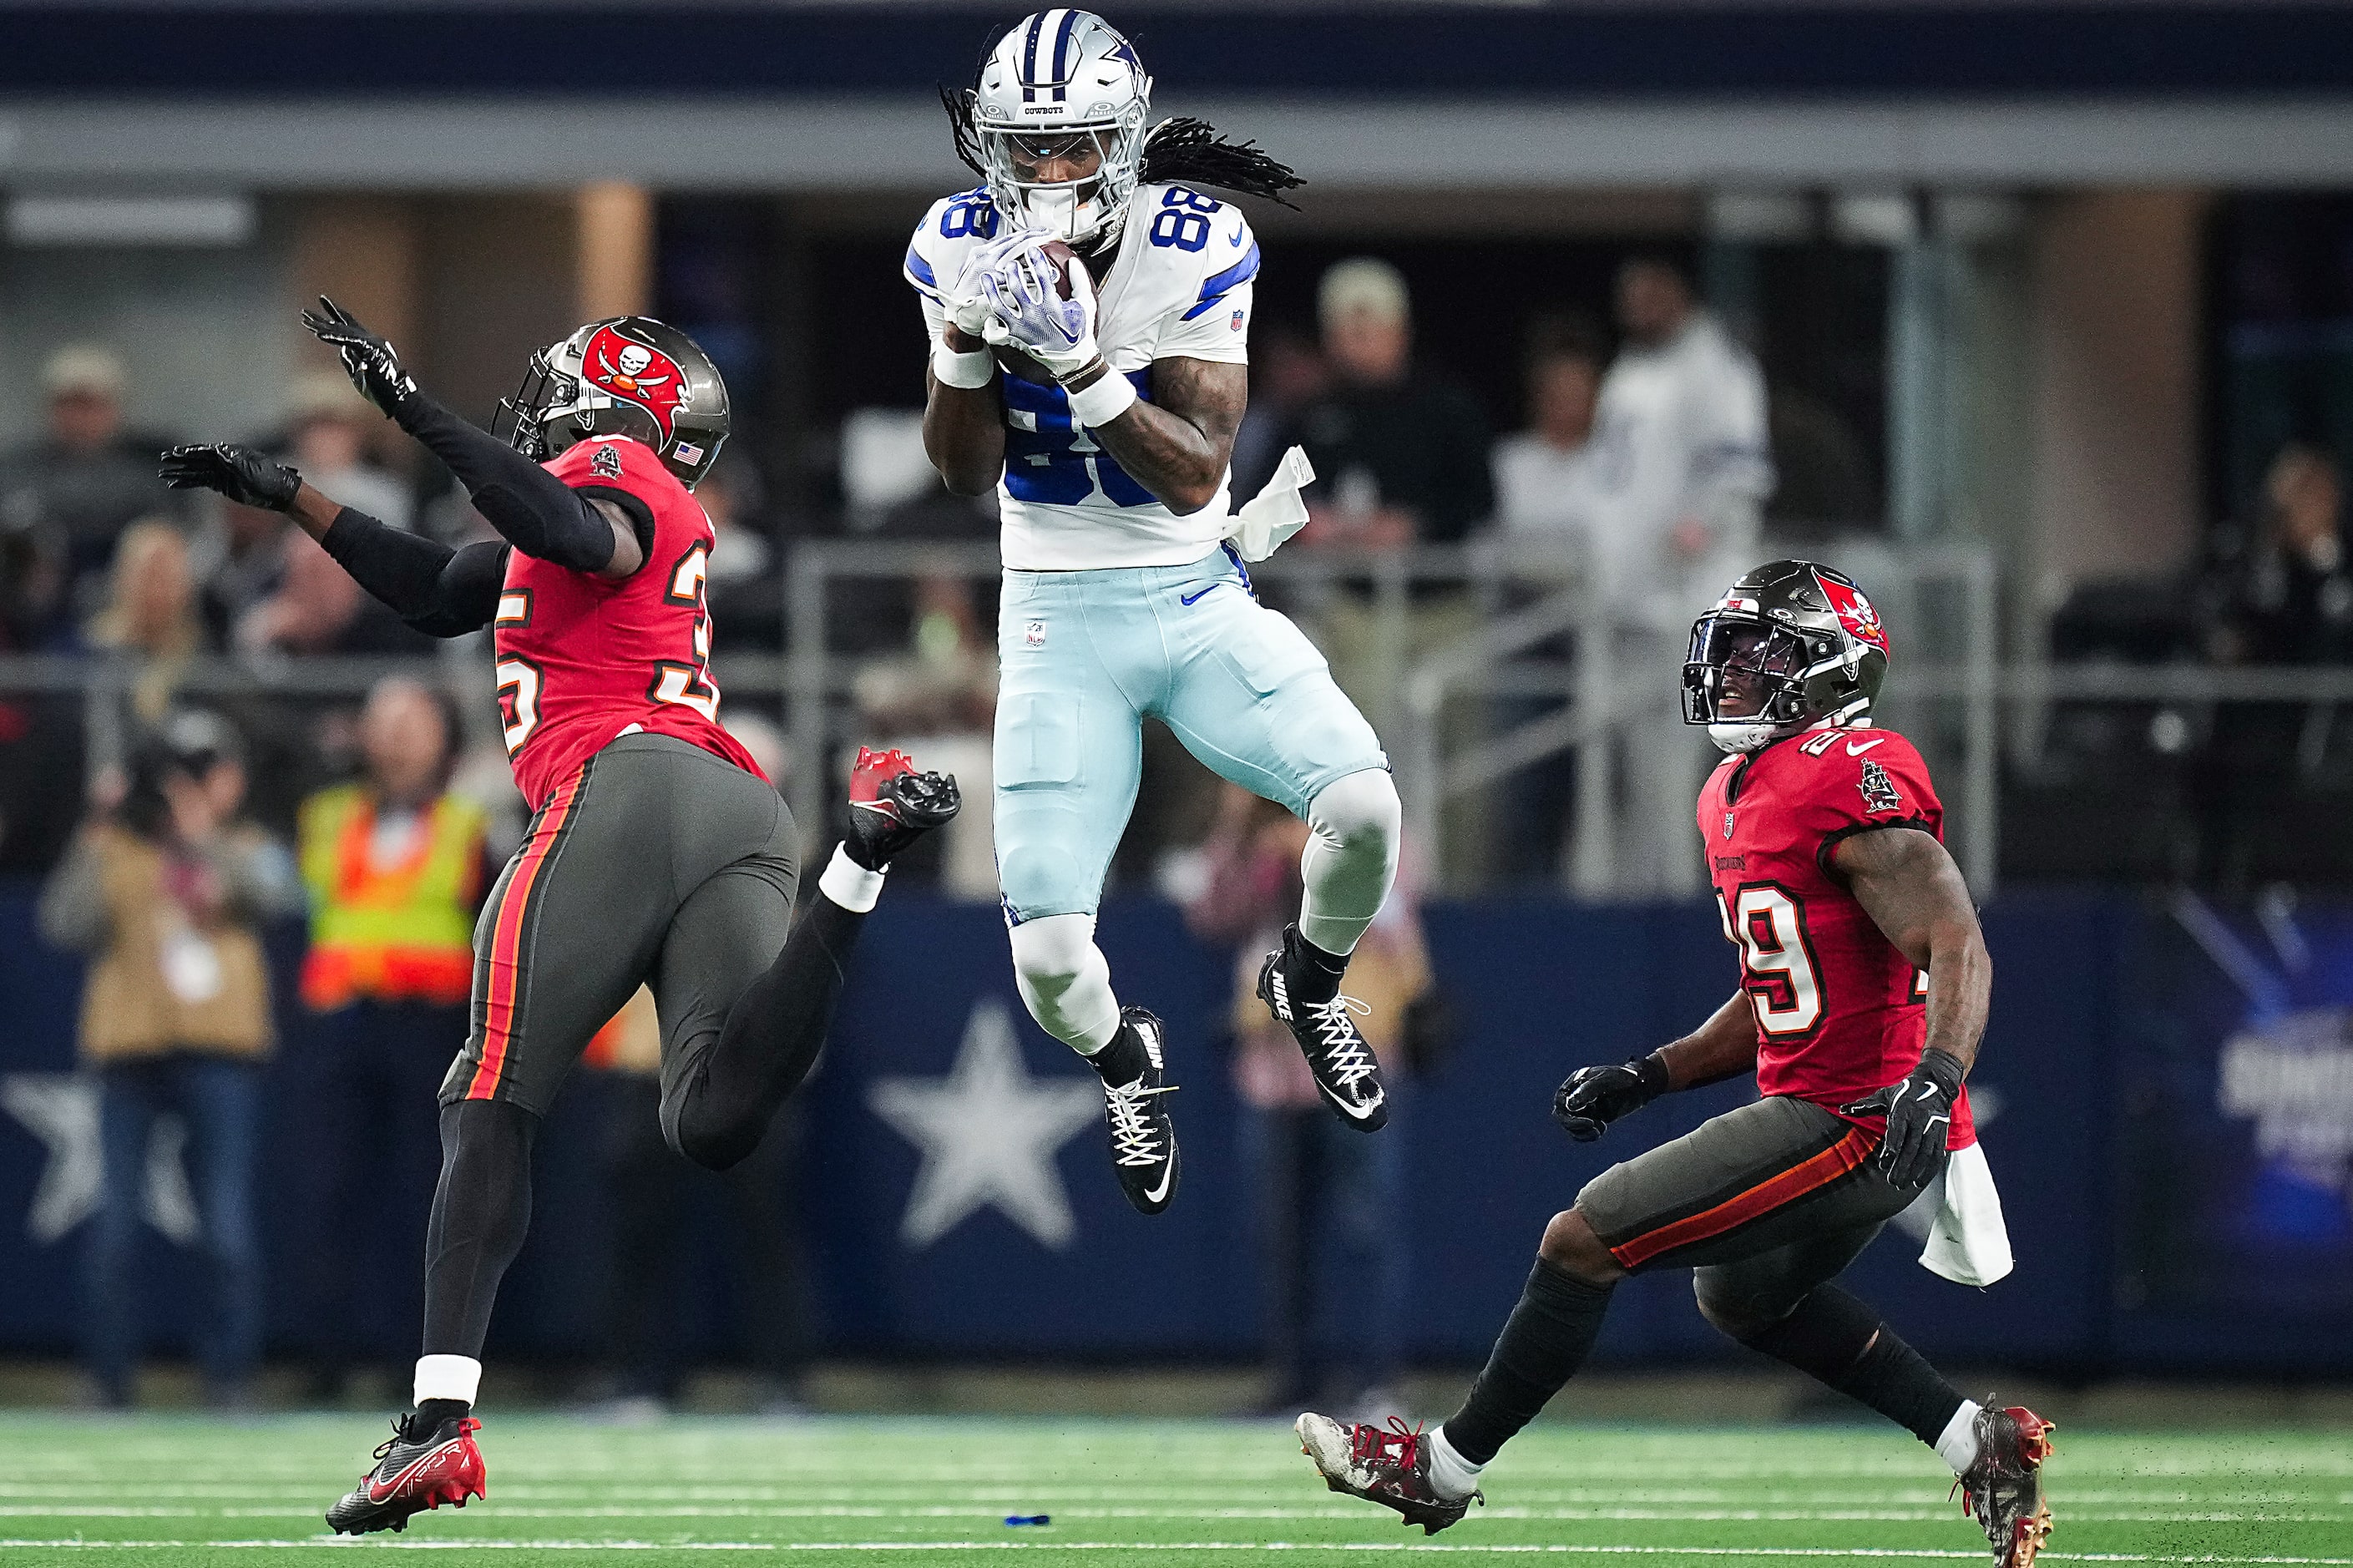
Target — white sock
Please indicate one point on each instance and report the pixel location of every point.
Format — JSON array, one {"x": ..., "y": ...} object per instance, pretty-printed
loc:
[
  {"x": 1350, "y": 859},
  {"x": 447, "y": 1377},
  {"x": 850, "y": 884},
  {"x": 1450, "y": 1475},
  {"x": 1957, "y": 1444}
]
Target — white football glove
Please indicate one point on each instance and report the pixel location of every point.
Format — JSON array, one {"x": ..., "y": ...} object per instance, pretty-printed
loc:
[
  {"x": 1026, "y": 312},
  {"x": 965, "y": 299}
]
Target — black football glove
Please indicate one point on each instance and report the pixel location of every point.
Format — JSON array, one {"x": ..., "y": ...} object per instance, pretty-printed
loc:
[
  {"x": 1593, "y": 1098},
  {"x": 244, "y": 476},
  {"x": 368, "y": 360},
  {"x": 1919, "y": 1112}
]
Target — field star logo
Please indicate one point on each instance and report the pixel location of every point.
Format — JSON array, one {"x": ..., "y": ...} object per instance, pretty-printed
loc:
[{"x": 1879, "y": 792}]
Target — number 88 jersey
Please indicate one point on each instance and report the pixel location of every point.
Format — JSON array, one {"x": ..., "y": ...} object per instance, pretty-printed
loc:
[
  {"x": 1841, "y": 1011},
  {"x": 583, "y": 659},
  {"x": 1179, "y": 287}
]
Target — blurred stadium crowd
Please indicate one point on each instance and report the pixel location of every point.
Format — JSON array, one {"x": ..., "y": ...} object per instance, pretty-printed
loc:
[{"x": 186, "y": 820}]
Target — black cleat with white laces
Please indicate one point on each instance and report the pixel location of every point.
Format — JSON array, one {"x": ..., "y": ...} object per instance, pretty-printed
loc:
[
  {"x": 1143, "y": 1135},
  {"x": 1345, "y": 1069}
]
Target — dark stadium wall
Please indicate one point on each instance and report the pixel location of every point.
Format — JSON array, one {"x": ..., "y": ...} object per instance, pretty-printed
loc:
[{"x": 2172, "y": 1158}]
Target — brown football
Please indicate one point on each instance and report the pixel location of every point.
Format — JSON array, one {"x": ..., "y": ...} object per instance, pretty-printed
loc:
[{"x": 1013, "y": 360}]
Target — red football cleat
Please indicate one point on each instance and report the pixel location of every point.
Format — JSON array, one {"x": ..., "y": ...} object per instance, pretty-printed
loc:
[
  {"x": 891, "y": 805},
  {"x": 1387, "y": 1466},
  {"x": 414, "y": 1471},
  {"x": 2003, "y": 1489}
]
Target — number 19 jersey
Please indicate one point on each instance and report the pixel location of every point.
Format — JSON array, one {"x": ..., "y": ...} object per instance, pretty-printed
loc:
[
  {"x": 1841, "y": 1011},
  {"x": 583, "y": 659}
]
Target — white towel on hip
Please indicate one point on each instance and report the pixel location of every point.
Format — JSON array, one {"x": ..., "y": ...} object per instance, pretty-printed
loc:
[
  {"x": 1264, "y": 522},
  {"x": 1968, "y": 1242}
]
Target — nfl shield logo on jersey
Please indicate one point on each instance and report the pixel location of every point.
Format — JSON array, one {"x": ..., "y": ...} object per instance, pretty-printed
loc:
[{"x": 1727, "y": 825}]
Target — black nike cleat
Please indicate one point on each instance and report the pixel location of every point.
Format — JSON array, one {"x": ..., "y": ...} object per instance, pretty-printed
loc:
[
  {"x": 414, "y": 1470},
  {"x": 1389, "y": 1465},
  {"x": 2002, "y": 1490},
  {"x": 891, "y": 805},
  {"x": 1347, "y": 1071},
  {"x": 1143, "y": 1135}
]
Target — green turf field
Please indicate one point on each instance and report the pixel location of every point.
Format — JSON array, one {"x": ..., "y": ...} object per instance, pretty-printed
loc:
[{"x": 199, "y": 1494}]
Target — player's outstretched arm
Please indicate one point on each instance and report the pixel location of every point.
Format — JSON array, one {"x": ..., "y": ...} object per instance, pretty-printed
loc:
[
  {"x": 536, "y": 512},
  {"x": 441, "y": 592},
  {"x": 963, "y": 426},
  {"x": 1178, "y": 445}
]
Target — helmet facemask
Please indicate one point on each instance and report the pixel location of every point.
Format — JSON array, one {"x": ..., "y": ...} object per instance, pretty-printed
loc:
[
  {"x": 1084, "y": 212},
  {"x": 1752, "y": 680}
]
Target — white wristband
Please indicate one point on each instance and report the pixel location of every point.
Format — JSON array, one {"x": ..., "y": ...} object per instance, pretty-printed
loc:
[
  {"x": 966, "y": 371},
  {"x": 1112, "y": 395},
  {"x": 850, "y": 884}
]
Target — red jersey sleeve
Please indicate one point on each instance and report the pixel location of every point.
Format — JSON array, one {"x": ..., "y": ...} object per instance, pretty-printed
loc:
[{"x": 1865, "y": 780}]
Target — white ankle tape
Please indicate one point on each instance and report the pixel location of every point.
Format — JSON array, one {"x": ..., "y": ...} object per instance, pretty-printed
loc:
[
  {"x": 1958, "y": 1444},
  {"x": 458, "y": 1377},
  {"x": 850, "y": 884}
]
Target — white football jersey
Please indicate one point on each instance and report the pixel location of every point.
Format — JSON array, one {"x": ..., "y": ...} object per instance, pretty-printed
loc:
[{"x": 1180, "y": 288}]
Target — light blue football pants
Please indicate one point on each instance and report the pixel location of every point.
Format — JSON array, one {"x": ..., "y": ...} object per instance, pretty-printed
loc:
[{"x": 1084, "y": 657}]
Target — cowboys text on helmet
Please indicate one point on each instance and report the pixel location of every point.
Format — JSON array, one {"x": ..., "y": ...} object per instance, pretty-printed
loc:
[{"x": 1059, "y": 110}]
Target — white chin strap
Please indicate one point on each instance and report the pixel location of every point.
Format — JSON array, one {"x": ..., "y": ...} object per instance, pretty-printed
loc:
[{"x": 1738, "y": 736}]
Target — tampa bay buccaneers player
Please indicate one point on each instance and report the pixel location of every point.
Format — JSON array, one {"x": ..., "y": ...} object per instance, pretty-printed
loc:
[
  {"x": 657, "y": 852},
  {"x": 1864, "y": 984}
]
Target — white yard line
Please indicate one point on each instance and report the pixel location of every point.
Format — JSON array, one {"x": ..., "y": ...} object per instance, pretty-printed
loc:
[{"x": 1053, "y": 1545}]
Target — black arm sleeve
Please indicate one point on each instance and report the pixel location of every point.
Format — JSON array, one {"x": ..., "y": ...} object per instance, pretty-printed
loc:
[
  {"x": 441, "y": 592},
  {"x": 536, "y": 512}
]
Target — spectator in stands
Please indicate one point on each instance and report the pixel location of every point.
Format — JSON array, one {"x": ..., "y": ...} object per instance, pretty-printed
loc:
[
  {"x": 1685, "y": 468},
  {"x": 1327, "y": 1192},
  {"x": 1549, "y": 508},
  {"x": 319, "y": 609},
  {"x": 2287, "y": 596},
  {"x": 330, "y": 427},
  {"x": 166, "y": 890},
  {"x": 240, "y": 560},
  {"x": 64, "y": 500},
  {"x": 396, "y": 869},
  {"x": 1681, "y": 440},
  {"x": 147, "y": 631},
  {"x": 1547, "y": 477},
  {"x": 1402, "y": 456}
]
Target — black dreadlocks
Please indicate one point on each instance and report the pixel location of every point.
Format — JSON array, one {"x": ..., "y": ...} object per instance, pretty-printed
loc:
[{"x": 1183, "y": 151}]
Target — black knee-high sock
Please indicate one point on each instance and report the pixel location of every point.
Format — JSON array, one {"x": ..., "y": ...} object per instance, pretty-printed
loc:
[
  {"x": 769, "y": 1041},
  {"x": 480, "y": 1211},
  {"x": 1546, "y": 1339},
  {"x": 1841, "y": 1341}
]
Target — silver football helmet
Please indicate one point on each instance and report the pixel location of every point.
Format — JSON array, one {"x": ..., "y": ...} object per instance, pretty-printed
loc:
[{"x": 1059, "y": 82}]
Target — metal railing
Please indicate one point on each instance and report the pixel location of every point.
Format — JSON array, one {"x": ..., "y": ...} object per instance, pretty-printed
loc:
[{"x": 1533, "y": 673}]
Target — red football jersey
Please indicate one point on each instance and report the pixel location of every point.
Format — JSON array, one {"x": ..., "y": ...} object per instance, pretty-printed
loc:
[
  {"x": 584, "y": 659},
  {"x": 1840, "y": 1013}
]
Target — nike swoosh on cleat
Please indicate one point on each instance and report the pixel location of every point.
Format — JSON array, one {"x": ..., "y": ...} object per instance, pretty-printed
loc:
[
  {"x": 408, "y": 1473},
  {"x": 1188, "y": 598},
  {"x": 1160, "y": 1193},
  {"x": 1855, "y": 750},
  {"x": 1350, "y": 1111}
]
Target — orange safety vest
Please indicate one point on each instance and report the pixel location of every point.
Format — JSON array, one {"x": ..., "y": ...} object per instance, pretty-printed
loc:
[{"x": 400, "y": 933}]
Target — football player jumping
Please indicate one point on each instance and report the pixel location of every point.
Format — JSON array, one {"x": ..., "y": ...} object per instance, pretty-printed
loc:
[
  {"x": 1864, "y": 989},
  {"x": 1099, "y": 397},
  {"x": 657, "y": 852}
]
